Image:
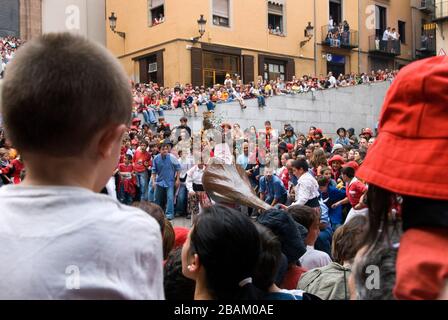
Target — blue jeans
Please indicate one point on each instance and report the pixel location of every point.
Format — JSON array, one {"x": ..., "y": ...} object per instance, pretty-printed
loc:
[
  {"x": 150, "y": 116},
  {"x": 151, "y": 191},
  {"x": 124, "y": 197},
  {"x": 182, "y": 199},
  {"x": 323, "y": 242},
  {"x": 165, "y": 199},
  {"x": 142, "y": 182},
  {"x": 261, "y": 101}
]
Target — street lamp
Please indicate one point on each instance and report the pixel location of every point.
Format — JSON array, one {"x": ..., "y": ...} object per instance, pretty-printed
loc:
[
  {"x": 309, "y": 33},
  {"x": 201, "y": 24},
  {"x": 113, "y": 25}
]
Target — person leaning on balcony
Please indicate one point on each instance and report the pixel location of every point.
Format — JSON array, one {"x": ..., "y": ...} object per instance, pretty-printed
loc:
[{"x": 386, "y": 37}]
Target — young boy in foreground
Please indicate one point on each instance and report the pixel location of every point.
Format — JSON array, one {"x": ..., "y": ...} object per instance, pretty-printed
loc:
[{"x": 66, "y": 103}]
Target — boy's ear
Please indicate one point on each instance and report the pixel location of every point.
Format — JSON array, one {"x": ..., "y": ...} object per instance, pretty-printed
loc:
[{"x": 109, "y": 138}]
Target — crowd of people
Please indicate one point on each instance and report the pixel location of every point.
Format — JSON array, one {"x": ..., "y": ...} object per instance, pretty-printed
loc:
[
  {"x": 8, "y": 47},
  {"x": 151, "y": 100},
  {"x": 338, "y": 210},
  {"x": 338, "y": 35}
]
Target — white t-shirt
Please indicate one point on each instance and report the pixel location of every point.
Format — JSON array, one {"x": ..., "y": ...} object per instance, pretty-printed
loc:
[
  {"x": 313, "y": 258},
  {"x": 71, "y": 243},
  {"x": 386, "y": 35}
]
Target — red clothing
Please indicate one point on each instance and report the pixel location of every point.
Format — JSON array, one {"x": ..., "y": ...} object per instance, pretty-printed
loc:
[
  {"x": 144, "y": 158},
  {"x": 292, "y": 277},
  {"x": 128, "y": 184},
  {"x": 284, "y": 176},
  {"x": 422, "y": 264},
  {"x": 15, "y": 169},
  {"x": 147, "y": 101},
  {"x": 355, "y": 191},
  {"x": 181, "y": 235}
]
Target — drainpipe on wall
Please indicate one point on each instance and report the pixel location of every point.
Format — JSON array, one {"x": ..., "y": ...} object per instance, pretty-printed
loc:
[
  {"x": 359, "y": 36},
  {"x": 315, "y": 41}
]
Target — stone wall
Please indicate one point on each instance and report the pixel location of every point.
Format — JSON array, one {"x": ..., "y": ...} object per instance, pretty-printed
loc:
[{"x": 358, "y": 107}]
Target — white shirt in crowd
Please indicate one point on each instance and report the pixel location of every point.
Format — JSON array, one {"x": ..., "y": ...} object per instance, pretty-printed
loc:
[
  {"x": 71, "y": 243},
  {"x": 194, "y": 176},
  {"x": 222, "y": 151},
  {"x": 186, "y": 163},
  {"x": 386, "y": 35},
  {"x": 313, "y": 258},
  {"x": 395, "y": 35},
  {"x": 333, "y": 81},
  {"x": 306, "y": 189}
]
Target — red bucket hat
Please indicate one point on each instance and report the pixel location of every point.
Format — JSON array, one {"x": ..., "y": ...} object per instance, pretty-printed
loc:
[
  {"x": 410, "y": 154},
  {"x": 336, "y": 158},
  {"x": 351, "y": 164}
]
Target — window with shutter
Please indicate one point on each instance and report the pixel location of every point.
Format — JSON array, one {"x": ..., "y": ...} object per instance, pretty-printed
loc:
[
  {"x": 221, "y": 12},
  {"x": 156, "y": 12},
  {"x": 275, "y": 17}
]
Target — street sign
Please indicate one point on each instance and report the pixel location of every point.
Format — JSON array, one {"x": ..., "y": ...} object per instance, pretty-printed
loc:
[{"x": 442, "y": 52}]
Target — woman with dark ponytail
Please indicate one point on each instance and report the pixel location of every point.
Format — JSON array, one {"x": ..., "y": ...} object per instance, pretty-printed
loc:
[{"x": 220, "y": 254}]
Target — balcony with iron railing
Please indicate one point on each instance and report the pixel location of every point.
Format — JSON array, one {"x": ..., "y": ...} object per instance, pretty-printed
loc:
[
  {"x": 339, "y": 38},
  {"x": 441, "y": 10},
  {"x": 427, "y": 6},
  {"x": 427, "y": 44},
  {"x": 390, "y": 48}
]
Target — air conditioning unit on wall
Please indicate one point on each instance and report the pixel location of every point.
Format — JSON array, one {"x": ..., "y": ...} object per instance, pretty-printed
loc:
[{"x": 152, "y": 67}]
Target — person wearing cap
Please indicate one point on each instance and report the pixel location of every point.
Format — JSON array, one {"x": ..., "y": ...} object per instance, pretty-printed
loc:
[
  {"x": 355, "y": 189},
  {"x": 337, "y": 148},
  {"x": 342, "y": 138},
  {"x": 407, "y": 165},
  {"x": 366, "y": 133},
  {"x": 165, "y": 178},
  {"x": 272, "y": 190},
  {"x": 336, "y": 163}
]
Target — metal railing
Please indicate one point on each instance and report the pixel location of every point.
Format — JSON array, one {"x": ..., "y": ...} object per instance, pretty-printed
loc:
[
  {"x": 441, "y": 10},
  {"x": 339, "y": 38},
  {"x": 427, "y": 5},
  {"x": 428, "y": 41},
  {"x": 389, "y": 47}
]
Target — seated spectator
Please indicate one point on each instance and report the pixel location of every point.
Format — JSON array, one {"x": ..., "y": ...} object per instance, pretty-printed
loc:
[
  {"x": 308, "y": 218},
  {"x": 331, "y": 281},
  {"x": 272, "y": 189},
  {"x": 342, "y": 137},
  {"x": 268, "y": 267},
  {"x": 284, "y": 227}
]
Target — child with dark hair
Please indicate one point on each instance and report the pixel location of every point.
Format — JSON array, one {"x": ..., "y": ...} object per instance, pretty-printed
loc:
[
  {"x": 331, "y": 195},
  {"x": 293, "y": 246},
  {"x": 355, "y": 189},
  {"x": 56, "y": 220},
  {"x": 221, "y": 255},
  {"x": 127, "y": 183}
]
